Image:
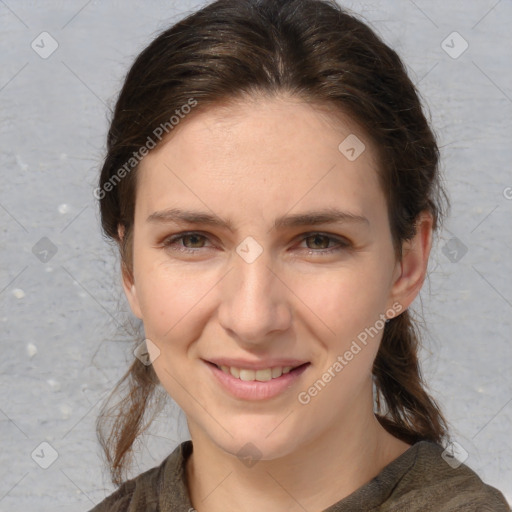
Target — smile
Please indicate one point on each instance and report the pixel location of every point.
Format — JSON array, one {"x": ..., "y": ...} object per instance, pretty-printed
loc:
[{"x": 261, "y": 384}]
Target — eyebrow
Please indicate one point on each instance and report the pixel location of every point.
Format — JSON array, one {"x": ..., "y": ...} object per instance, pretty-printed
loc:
[{"x": 311, "y": 218}]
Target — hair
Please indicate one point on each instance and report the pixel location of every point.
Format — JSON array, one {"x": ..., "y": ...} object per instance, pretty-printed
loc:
[{"x": 317, "y": 52}]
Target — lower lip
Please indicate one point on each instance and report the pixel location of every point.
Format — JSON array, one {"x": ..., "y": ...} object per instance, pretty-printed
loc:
[{"x": 256, "y": 390}]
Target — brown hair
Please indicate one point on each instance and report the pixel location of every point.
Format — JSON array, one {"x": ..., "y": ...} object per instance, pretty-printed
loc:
[{"x": 315, "y": 51}]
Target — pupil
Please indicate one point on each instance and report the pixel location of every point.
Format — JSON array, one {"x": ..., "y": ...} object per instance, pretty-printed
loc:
[
  {"x": 316, "y": 237},
  {"x": 193, "y": 237}
]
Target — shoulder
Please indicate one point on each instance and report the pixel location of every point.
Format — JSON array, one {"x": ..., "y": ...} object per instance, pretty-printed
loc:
[
  {"x": 118, "y": 501},
  {"x": 437, "y": 482},
  {"x": 132, "y": 494},
  {"x": 146, "y": 491}
]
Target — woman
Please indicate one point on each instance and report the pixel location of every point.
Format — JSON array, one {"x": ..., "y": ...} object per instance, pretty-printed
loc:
[{"x": 273, "y": 186}]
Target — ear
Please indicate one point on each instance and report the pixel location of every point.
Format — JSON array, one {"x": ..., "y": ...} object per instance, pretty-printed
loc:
[
  {"x": 412, "y": 269},
  {"x": 128, "y": 281}
]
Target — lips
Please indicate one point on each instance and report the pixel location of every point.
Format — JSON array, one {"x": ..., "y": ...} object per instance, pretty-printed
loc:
[
  {"x": 249, "y": 387},
  {"x": 261, "y": 371}
]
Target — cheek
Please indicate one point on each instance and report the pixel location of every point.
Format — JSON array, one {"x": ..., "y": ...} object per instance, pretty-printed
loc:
[
  {"x": 173, "y": 311},
  {"x": 167, "y": 300},
  {"x": 343, "y": 302}
]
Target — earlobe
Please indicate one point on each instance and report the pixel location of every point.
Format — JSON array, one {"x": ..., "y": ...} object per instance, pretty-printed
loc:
[
  {"x": 130, "y": 292},
  {"x": 129, "y": 287},
  {"x": 413, "y": 266}
]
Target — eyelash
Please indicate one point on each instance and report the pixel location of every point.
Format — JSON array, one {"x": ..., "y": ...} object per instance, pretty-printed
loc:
[{"x": 343, "y": 244}]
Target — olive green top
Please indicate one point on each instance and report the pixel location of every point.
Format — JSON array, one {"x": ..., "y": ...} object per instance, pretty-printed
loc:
[{"x": 418, "y": 480}]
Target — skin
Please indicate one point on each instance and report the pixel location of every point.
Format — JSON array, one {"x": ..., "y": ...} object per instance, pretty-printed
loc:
[{"x": 251, "y": 162}]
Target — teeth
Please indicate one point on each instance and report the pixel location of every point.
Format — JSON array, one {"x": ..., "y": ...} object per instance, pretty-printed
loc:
[
  {"x": 259, "y": 375},
  {"x": 277, "y": 372},
  {"x": 247, "y": 375}
]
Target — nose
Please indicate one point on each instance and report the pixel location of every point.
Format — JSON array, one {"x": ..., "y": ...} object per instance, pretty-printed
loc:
[{"x": 255, "y": 302}]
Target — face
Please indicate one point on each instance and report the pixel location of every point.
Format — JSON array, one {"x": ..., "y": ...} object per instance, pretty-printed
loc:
[{"x": 259, "y": 246}]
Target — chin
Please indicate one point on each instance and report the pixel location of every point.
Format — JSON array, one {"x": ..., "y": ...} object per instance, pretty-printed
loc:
[{"x": 251, "y": 443}]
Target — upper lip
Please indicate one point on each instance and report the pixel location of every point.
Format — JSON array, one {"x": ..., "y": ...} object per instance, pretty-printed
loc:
[{"x": 256, "y": 365}]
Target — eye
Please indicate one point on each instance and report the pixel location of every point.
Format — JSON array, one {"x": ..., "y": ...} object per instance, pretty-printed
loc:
[
  {"x": 320, "y": 243},
  {"x": 189, "y": 242}
]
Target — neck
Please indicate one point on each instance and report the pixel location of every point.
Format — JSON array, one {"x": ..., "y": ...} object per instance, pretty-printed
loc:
[{"x": 313, "y": 477}]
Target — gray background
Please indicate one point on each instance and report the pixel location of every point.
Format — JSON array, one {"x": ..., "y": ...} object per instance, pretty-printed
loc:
[{"x": 61, "y": 348}]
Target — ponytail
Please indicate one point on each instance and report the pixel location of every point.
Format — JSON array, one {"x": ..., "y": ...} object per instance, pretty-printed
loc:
[{"x": 403, "y": 406}]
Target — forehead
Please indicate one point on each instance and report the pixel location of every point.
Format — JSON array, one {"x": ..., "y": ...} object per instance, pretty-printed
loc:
[{"x": 262, "y": 153}]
